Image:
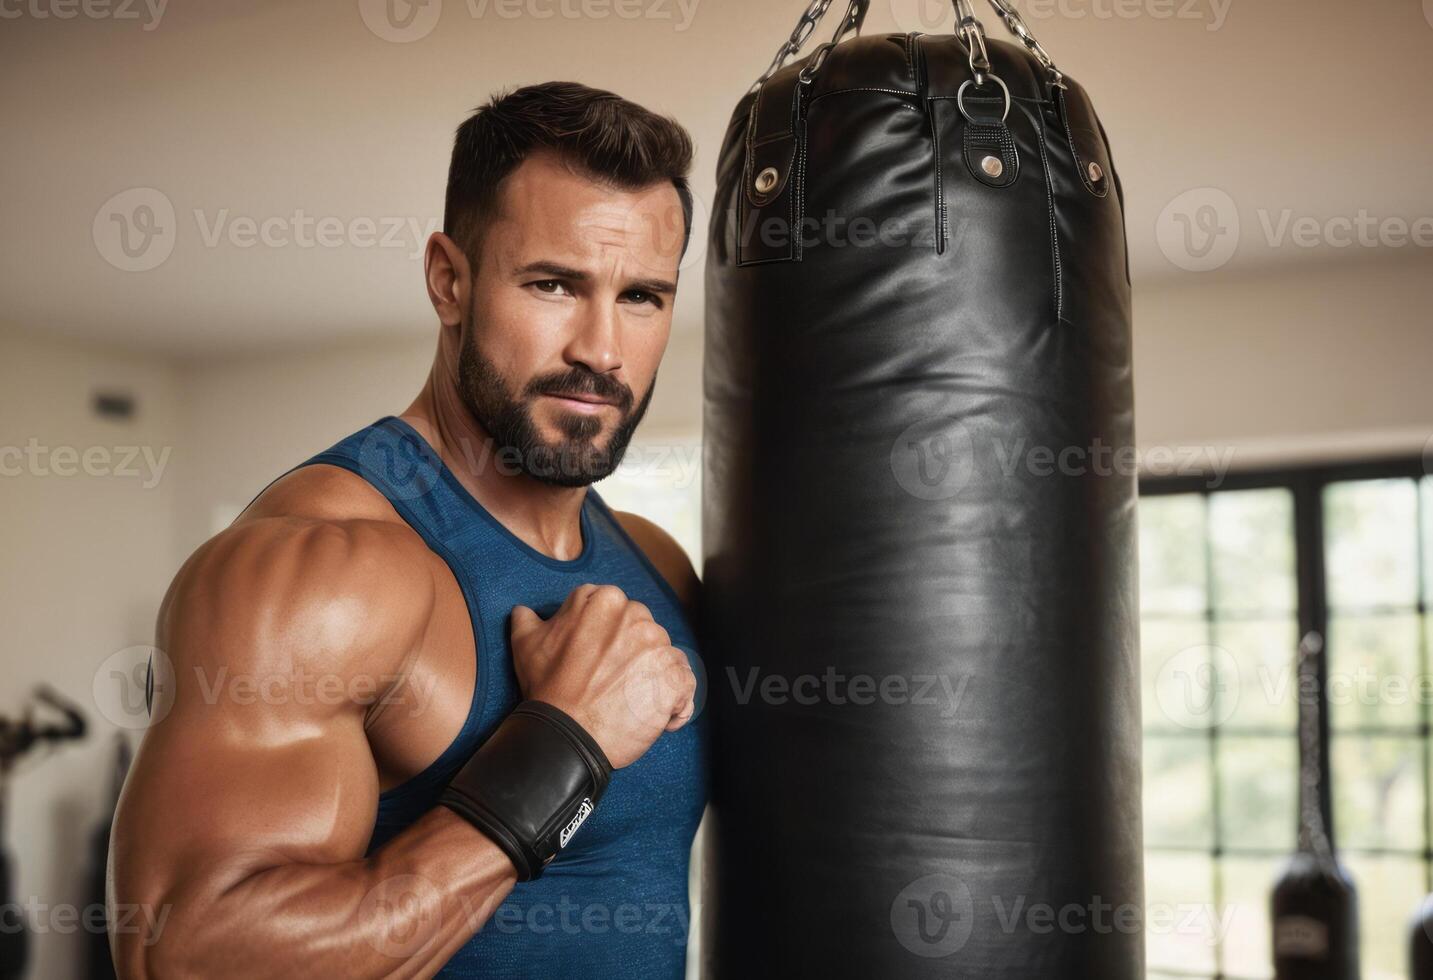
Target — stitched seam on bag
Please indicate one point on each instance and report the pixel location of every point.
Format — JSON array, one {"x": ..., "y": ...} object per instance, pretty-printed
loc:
[
  {"x": 796, "y": 183},
  {"x": 978, "y": 98},
  {"x": 846, "y": 91},
  {"x": 1028, "y": 100},
  {"x": 1054, "y": 224},
  {"x": 741, "y": 198},
  {"x": 915, "y": 56},
  {"x": 796, "y": 207},
  {"x": 940, "y": 215}
]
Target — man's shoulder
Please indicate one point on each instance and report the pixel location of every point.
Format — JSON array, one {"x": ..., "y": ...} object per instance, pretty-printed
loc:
[
  {"x": 313, "y": 570},
  {"x": 323, "y": 491},
  {"x": 663, "y": 551}
]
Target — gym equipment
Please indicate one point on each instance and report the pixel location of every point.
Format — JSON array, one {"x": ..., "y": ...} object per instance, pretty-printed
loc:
[
  {"x": 919, "y": 520},
  {"x": 14, "y": 941},
  {"x": 1420, "y": 941},
  {"x": 1314, "y": 904},
  {"x": 18, "y": 737}
]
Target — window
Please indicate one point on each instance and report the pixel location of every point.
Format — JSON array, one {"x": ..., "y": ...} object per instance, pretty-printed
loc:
[
  {"x": 660, "y": 479},
  {"x": 1230, "y": 579}
]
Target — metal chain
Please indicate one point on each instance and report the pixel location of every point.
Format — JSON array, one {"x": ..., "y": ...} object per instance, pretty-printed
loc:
[
  {"x": 850, "y": 22},
  {"x": 1313, "y": 834},
  {"x": 855, "y": 14},
  {"x": 812, "y": 17},
  {"x": 1018, "y": 27},
  {"x": 968, "y": 29},
  {"x": 972, "y": 34}
]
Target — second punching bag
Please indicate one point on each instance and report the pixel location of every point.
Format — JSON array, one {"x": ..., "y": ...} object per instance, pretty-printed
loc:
[{"x": 919, "y": 522}]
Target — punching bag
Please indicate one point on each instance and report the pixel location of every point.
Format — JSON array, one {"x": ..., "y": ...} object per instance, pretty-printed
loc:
[
  {"x": 14, "y": 935},
  {"x": 1314, "y": 905},
  {"x": 1420, "y": 943},
  {"x": 919, "y": 521}
]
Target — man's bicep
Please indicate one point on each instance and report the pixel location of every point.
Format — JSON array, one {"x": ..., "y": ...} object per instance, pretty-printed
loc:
[
  {"x": 257, "y": 755},
  {"x": 204, "y": 814},
  {"x": 208, "y": 803}
]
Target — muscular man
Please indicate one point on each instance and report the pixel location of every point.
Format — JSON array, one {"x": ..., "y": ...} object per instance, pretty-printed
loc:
[{"x": 430, "y": 706}]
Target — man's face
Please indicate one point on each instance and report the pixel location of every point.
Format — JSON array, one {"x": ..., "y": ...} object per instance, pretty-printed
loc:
[{"x": 571, "y": 310}]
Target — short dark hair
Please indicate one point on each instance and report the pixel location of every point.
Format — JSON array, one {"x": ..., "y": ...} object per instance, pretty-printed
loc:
[{"x": 603, "y": 135}]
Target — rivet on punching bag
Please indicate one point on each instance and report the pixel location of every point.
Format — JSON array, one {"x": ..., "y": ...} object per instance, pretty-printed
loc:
[
  {"x": 1314, "y": 906},
  {"x": 919, "y": 521}
]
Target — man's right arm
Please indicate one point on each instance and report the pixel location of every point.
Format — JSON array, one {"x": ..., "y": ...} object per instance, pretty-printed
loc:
[
  {"x": 238, "y": 847},
  {"x": 242, "y": 830}
]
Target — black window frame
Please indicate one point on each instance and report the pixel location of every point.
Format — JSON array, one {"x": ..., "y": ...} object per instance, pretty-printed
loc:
[{"x": 1307, "y": 483}]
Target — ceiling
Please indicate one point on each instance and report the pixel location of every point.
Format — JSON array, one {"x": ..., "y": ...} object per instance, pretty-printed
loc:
[{"x": 284, "y": 112}]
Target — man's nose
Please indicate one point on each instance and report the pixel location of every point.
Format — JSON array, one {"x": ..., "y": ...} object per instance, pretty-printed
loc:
[{"x": 596, "y": 342}]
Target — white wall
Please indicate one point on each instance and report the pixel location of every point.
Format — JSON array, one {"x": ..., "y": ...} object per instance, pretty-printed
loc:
[
  {"x": 88, "y": 552},
  {"x": 249, "y": 420},
  {"x": 1329, "y": 361}
]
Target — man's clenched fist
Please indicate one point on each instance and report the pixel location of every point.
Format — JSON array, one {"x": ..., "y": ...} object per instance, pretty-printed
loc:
[{"x": 604, "y": 660}]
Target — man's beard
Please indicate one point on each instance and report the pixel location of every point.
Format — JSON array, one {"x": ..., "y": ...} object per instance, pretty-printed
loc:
[{"x": 574, "y": 459}]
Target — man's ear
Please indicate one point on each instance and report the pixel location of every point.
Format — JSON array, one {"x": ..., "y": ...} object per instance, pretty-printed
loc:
[{"x": 446, "y": 269}]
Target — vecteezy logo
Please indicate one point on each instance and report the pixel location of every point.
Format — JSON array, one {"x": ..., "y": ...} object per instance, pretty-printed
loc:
[
  {"x": 134, "y": 688},
  {"x": 400, "y": 21},
  {"x": 933, "y": 916},
  {"x": 578, "y": 819},
  {"x": 645, "y": 689},
  {"x": 405, "y": 467},
  {"x": 933, "y": 459},
  {"x": 135, "y": 230},
  {"x": 1198, "y": 231},
  {"x": 701, "y": 219},
  {"x": 1198, "y": 687},
  {"x": 1301, "y": 937},
  {"x": 403, "y": 915}
]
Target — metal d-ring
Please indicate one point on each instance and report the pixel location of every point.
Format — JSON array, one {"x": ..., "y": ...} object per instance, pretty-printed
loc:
[{"x": 960, "y": 98}]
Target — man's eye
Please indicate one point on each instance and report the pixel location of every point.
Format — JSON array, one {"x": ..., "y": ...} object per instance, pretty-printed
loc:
[
  {"x": 642, "y": 296},
  {"x": 549, "y": 286}
]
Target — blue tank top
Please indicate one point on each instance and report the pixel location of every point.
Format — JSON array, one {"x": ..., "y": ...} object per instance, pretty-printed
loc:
[{"x": 614, "y": 902}]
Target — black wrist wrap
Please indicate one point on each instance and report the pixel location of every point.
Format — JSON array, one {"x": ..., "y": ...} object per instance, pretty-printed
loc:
[{"x": 531, "y": 785}]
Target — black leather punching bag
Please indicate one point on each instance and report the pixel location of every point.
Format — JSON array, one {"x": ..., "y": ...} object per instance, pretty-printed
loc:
[
  {"x": 919, "y": 523},
  {"x": 1420, "y": 943}
]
